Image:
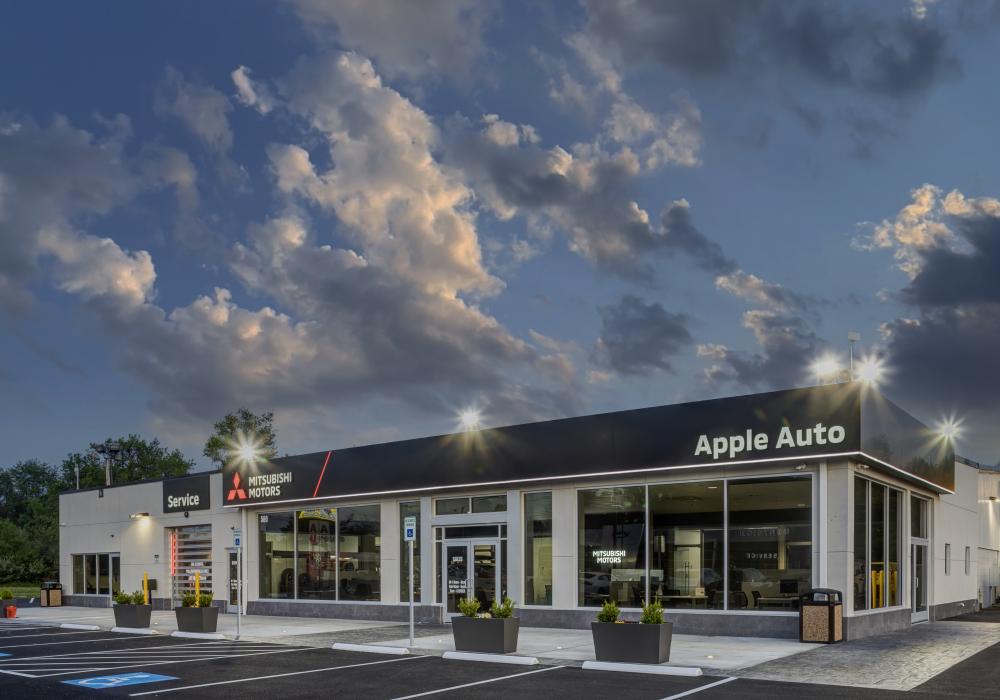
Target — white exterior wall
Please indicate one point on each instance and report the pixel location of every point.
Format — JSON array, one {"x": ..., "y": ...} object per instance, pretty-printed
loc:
[
  {"x": 92, "y": 523},
  {"x": 955, "y": 521},
  {"x": 989, "y": 536}
]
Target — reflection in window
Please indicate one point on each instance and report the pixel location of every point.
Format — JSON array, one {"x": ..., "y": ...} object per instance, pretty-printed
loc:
[
  {"x": 451, "y": 506},
  {"x": 91, "y": 573},
  {"x": 489, "y": 504},
  {"x": 770, "y": 543},
  {"x": 612, "y": 546},
  {"x": 277, "y": 555},
  {"x": 878, "y": 549},
  {"x": 860, "y": 543},
  {"x": 317, "y": 553},
  {"x": 359, "y": 552},
  {"x": 103, "y": 574},
  {"x": 537, "y": 548},
  {"x": 687, "y": 545},
  {"x": 78, "y": 574},
  {"x": 893, "y": 585},
  {"x": 407, "y": 509},
  {"x": 877, "y": 519}
]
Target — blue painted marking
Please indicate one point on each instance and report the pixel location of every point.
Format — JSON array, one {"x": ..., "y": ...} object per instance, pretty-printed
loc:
[
  {"x": 2, "y": 654},
  {"x": 117, "y": 681}
]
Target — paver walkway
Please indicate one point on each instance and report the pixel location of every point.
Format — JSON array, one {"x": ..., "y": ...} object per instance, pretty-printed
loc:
[{"x": 898, "y": 661}]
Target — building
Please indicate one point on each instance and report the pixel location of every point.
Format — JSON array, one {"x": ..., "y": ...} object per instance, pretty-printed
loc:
[{"x": 725, "y": 511}]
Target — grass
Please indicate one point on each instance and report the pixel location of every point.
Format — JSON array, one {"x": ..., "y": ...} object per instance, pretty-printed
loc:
[{"x": 22, "y": 589}]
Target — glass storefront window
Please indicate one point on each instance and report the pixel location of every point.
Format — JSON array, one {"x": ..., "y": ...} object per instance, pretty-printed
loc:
[
  {"x": 317, "y": 553},
  {"x": 78, "y": 574},
  {"x": 409, "y": 508},
  {"x": 878, "y": 545},
  {"x": 612, "y": 546},
  {"x": 103, "y": 574},
  {"x": 277, "y": 555},
  {"x": 687, "y": 545},
  {"x": 860, "y": 543},
  {"x": 538, "y": 548},
  {"x": 489, "y": 504},
  {"x": 451, "y": 506},
  {"x": 359, "y": 528},
  {"x": 770, "y": 543},
  {"x": 918, "y": 517},
  {"x": 91, "y": 573}
]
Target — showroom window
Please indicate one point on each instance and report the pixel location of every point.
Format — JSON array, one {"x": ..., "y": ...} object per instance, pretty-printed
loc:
[
  {"x": 408, "y": 508},
  {"x": 765, "y": 524},
  {"x": 538, "y": 548},
  {"x": 96, "y": 574},
  {"x": 687, "y": 545},
  {"x": 471, "y": 504},
  {"x": 878, "y": 553},
  {"x": 612, "y": 551},
  {"x": 321, "y": 554}
]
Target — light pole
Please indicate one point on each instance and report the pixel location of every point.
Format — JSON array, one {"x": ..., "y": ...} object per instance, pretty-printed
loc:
[
  {"x": 852, "y": 338},
  {"x": 109, "y": 450}
]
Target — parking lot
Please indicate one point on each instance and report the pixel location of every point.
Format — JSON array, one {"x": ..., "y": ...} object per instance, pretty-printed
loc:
[{"x": 54, "y": 662}]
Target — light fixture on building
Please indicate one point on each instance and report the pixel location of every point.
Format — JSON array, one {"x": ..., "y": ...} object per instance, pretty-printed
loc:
[
  {"x": 950, "y": 428},
  {"x": 470, "y": 419},
  {"x": 870, "y": 370},
  {"x": 827, "y": 369},
  {"x": 136, "y": 516}
]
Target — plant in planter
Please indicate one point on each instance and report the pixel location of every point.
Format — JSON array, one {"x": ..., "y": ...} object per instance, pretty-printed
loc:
[
  {"x": 643, "y": 642},
  {"x": 8, "y": 608},
  {"x": 197, "y": 615},
  {"x": 493, "y": 632},
  {"x": 131, "y": 611}
]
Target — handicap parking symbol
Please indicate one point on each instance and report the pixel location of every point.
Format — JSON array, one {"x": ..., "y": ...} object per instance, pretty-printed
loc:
[
  {"x": 119, "y": 680},
  {"x": 2, "y": 654}
]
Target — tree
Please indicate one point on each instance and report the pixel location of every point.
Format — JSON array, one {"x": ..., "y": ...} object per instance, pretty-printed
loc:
[
  {"x": 23, "y": 483},
  {"x": 238, "y": 429},
  {"x": 136, "y": 460}
]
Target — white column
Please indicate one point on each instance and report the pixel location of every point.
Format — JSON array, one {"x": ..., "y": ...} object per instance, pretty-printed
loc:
[
  {"x": 515, "y": 577},
  {"x": 391, "y": 534},
  {"x": 564, "y": 569},
  {"x": 427, "y": 553}
]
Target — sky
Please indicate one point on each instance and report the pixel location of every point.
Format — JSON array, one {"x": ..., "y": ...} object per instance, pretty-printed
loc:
[{"x": 369, "y": 216}]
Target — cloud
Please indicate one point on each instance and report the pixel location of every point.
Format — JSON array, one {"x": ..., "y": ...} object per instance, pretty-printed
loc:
[
  {"x": 405, "y": 39},
  {"x": 638, "y": 338},
  {"x": 202, "y": 109},
  {"x": 251, "y": 94},
  {"x": 825, "y": 44},
  {"x": 941, "y": 352}
]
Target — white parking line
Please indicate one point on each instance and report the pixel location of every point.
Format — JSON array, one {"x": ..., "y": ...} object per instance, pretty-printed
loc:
[
  {"x": 278, "y": 675},
  {"x": 46, "y": 667},
  {"x": 40, "y": 634},
  {"x": 114, "y": 638},
  {"x": 469, "y": 685},
  {"x": 699, "y": 689}
]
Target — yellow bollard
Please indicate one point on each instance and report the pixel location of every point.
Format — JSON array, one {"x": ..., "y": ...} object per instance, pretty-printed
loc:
[
  {"x": 197, "y": 589},
  {"x": 145, "y": 588}
]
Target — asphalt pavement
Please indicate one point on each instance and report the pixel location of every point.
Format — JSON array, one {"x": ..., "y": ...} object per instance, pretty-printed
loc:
[{"x": 52, "y": 662}]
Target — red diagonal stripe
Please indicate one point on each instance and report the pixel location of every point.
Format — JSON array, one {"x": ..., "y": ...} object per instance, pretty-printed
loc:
[{"x": 322, "y": 473}]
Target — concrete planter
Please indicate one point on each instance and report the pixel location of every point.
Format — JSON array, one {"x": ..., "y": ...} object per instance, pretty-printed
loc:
[
  {"x": 632, "y": 643},
  {"x": 486, "y": 636},
  {"x": 203, "y": 620},
  {"x": 134, "y": 616}
]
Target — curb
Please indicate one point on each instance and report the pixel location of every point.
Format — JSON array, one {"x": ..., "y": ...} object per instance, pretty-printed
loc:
[
  {"x": 74, "y": 626},
  {"x": 134, "y": 630},
  {"x": 491, "y": 658},
  {"x": 642, "y": 668},
  {"x": 371, "y": 648},
  {"x": 198, "y": 635}
]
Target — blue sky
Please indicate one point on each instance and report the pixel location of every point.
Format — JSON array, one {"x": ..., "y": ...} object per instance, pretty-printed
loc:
[{"x": 366, "y": 216}]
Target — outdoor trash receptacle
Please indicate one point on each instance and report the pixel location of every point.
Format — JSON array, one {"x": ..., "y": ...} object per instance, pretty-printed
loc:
[
  {"x": 821, "y": 616},
  {"x": 51, "y": 595}
]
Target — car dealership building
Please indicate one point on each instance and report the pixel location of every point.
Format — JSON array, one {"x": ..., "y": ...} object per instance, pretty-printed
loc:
[{"x": 725, "y": 511}]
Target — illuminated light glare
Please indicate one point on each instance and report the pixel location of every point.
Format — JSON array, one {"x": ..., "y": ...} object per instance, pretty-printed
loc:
[
  {"x": 826, "y": 368},
  {"x": 950, "y": 428},
  {"x": 246, "y": 448},
  {"x": 870, "y": 370},
  {"x": 470, "y": 418}
]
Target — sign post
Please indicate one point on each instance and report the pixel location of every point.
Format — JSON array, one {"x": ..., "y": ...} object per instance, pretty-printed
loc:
[
  {"x": 410, "y": 535},
  {"x": 238, "y": 550}
]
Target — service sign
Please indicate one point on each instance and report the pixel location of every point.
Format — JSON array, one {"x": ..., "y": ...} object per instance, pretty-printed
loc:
[{"x": 187, "y": 493}]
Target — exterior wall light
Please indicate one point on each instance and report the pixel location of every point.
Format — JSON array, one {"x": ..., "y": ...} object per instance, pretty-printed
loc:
[{"x": 136, "y": 516}]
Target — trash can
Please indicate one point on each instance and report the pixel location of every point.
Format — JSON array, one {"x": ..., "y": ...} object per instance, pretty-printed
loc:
[
  {"x": 51, "y": 595},
  {"x": 821, "y": 616}
]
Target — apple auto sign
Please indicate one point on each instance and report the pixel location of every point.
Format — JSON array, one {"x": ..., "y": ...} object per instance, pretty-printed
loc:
[{"x": 743, "y": 445}]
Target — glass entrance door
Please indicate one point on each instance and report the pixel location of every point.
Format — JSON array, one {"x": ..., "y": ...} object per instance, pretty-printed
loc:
[
  {"x": 472, "y": 571},
  {"x": 918, "y": 579}
]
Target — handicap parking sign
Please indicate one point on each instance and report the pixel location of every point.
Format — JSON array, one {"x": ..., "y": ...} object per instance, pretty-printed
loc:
[{"x": 119, "y": 680}]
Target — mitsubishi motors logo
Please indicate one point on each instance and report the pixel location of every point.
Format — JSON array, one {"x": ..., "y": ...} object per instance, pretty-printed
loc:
[{"x": 237, "y": 491}]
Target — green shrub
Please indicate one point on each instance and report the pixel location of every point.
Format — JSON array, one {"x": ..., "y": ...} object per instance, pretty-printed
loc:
[
  {"x": 205, "y": 601},
  {"x": 609, "y": 612},
  {"x": 502, "y": 610},
  {"x": 187, "y": 600},
  {"x": 121, "y": 598},
  {"x": 652, "y": 614},
  {"x": 468, "y": 606},
  {"x": 6, "y": 594}
]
